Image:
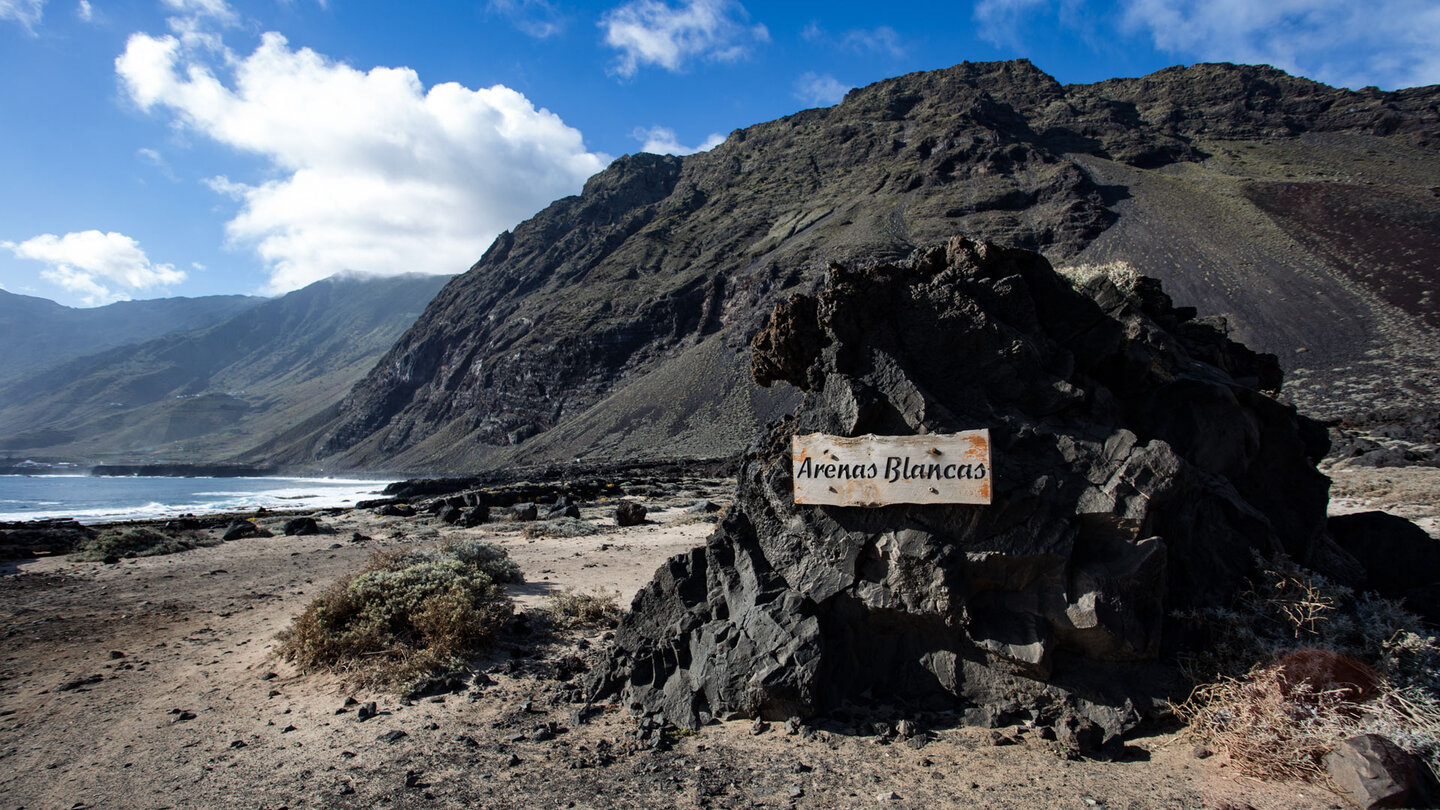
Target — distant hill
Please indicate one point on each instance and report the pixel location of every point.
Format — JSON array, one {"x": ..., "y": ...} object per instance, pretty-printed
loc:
[
  {"x": 38, "y": 333},
  {"x": 205, "y": 395},
  {"x": 614, "y": 324}
]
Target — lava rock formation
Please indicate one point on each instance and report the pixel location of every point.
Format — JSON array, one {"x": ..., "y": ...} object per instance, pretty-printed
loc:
[{"x": 1139, "y": 467}]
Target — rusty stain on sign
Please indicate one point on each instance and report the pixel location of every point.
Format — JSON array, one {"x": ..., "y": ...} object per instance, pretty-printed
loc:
[{"x": 875, "y": 470}]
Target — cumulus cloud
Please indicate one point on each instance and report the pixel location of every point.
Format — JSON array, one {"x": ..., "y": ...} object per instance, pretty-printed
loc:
[
  {"x": 663, "y": 141},
  {"x": 650, "y": 32},
  {"x": 85, "y": 11},
  {"x": 1000, "y": 22},
  {"x": 821, "y": 90},
  {"x": 1390, "y": 43},
  {"x": 372, "y": 172},
  {"x": 94, "y": 264},
  {"x": 883, "y": 39},
  {"x": 25, "y": 12},
  {"x": 537, "y": 18}
]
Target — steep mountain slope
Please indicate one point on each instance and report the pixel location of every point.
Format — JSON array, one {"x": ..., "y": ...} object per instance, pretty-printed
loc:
[
  {"x": 1225, "y": 181},
  {"x": 205, "y": 395},
  {"x": 38, "y": 333}
]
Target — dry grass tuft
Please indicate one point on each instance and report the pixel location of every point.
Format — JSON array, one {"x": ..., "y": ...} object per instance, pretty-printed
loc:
[
  {"x": 407, "y": 614},
  {"x": 1333, "y": 665},
  {"x": 1120, "y": 273},
  {"x": 570, "y": 609},
  {"x": 561, "y": 527}
]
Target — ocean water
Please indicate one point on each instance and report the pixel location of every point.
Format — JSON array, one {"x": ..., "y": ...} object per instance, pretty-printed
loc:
[{"x": 95, "y": 500}]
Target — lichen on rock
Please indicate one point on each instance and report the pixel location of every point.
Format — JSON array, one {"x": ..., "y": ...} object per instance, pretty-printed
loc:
[{"x": 1138, "y": 469}]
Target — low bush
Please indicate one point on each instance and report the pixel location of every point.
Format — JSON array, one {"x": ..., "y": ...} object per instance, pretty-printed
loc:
[
  {"x": 139, "y": 541},
  {"x": 407, "y": 614},
  {"x": 570, "y": 609},
  {"x": 561, "y": 527},
  {"x": 1331, "y": 665}
]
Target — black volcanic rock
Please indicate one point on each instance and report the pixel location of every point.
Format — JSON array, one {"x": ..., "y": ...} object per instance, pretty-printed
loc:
[
  {"x": 1131, "y": 479},
  {"x": 19, "y": 540},
  {"x": 629, "y": 513},
  {"x": 614, "y": 324}
]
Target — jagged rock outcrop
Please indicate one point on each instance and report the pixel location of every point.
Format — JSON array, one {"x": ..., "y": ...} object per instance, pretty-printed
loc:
[
  {"x": 612, "y": 325},
  {"x": 1139, "y": 466}
]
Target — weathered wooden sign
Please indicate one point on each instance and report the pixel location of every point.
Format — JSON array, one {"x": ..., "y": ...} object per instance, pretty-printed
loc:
[{"x": 875, "y": 470}]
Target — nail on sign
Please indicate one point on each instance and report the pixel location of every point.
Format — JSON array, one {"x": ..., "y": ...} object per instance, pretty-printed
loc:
[{"x": 876, "y": 470}]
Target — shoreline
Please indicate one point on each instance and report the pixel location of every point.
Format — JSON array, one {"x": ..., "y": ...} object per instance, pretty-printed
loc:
[{"x": 169, "y": 660}]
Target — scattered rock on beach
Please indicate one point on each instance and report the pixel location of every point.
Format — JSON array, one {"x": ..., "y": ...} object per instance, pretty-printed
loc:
[
  {"x": 522, "y": 512},
  {"x": 301, "y": 526},
  {"x": 629, "y": 513},
  {"x": 474, "y": 516}
]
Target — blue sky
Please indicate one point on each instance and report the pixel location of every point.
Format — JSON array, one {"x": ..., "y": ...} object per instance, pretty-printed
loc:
[{"x": 151, "y": 148}]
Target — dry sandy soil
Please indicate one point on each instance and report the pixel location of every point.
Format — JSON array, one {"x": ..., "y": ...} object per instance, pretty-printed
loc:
[{"x": 153, "y": 683}]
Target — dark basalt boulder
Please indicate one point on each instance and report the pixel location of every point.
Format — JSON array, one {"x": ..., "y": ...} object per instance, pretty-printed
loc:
[
  {"x": 240, "y": 529},
  {"x": 1131, "y": 479},
  {"x": 563, "y": 510},
  {"x": 21, "y": 540},
  {"x": 629, "y": 513},
  {"x": 301, "y": 526},
  {"x": 474, "y": 516},
  {"x": 522, "y": 512}
]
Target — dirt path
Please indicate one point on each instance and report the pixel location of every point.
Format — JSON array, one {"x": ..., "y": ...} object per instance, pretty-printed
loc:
[{"x": 151, "y": 683}]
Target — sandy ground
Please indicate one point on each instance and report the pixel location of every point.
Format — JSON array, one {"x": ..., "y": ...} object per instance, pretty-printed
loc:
[
  {"x": 1410, "y": 492},
  {"x": 152, "y": 683}
]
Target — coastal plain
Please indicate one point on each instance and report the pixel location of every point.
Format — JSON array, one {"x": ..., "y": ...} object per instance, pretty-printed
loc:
[{"x": 154, "y": 683}]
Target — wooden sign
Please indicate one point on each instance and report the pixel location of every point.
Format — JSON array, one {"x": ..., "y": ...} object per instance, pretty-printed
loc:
[{"x": 875, "y": 470}]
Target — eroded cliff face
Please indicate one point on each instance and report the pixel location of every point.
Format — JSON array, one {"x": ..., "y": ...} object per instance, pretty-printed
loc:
[
  {"x": 660, "y": 255},
  {"x": 1139, "y": 466}
]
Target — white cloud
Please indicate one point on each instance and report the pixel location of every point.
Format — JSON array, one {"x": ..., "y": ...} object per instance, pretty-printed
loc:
[
  {"x": 537, "y": 18},
  {"x": 663, "y": 141},
  {"x": 876, "y": 40},
  {"x": 25, "y": 12},
  {"x": 1391, "y": 43},
  {"x": 883, "y": 39},
  {"x": 999, "y": 21},
  {"x": 85, "y": 11},
  {"x": 651, "y": 32},
  {"x": 212, "y": 9},
  {"x": 371, "y": 172},
  {"x": 87, "y": 261},
  {"x": 820, "y": 90}
]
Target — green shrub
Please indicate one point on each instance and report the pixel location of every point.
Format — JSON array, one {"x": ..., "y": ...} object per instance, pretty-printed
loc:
[
  {"x": 408, "y": 613},
  {"x": 139, "y": 541}
]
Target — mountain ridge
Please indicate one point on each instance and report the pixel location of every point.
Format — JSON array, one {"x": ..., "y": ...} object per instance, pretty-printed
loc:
[
  {"x": 1167, "y": 172},
  {"x": 40, "y": 333},
  {"x": 204, "y": 395}
]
